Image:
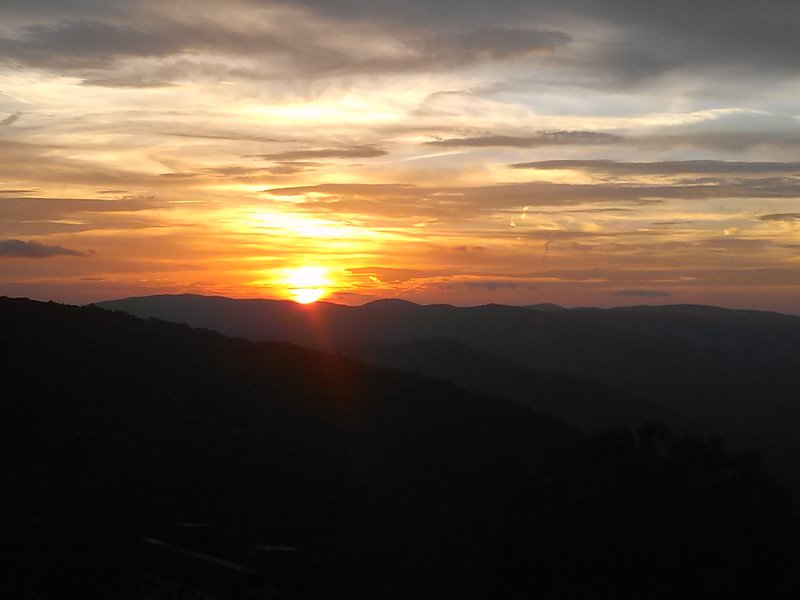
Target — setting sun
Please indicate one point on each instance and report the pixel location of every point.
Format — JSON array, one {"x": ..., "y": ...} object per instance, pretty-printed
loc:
[{"x": 307, "y": 284}]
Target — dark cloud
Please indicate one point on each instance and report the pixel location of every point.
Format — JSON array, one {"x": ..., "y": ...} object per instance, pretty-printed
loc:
[
  {"x": 612, "y": 167},
  {"x": 19, "y": 191},
  {"x": 93, "y": 47},
  {"x": 345, "y": 152},
  {"x": 298, "y": 46},
  {"x": 489, "y": 285},
  {"x": 732, "y": 140},
  {"x": 642, "y": 294},
  {"x": 490, "y": 44},
  {"x": 619, "y": 40},
  {"x": 540, "y": 138},
  {"x": 419, "y": 12},
  {"x": 10, "y": 120},
  {"x": 60, "y": 8},
  {"x": 87, "y": 44},
  {"x": 680, "y": 35},
  {"x": 644, "y": 39},
  {"x": 20, "y": 249},
  {"x": 780, "y": 217}
]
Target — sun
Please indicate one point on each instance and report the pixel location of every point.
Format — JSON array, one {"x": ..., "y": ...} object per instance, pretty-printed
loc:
[{"x": 307, "y": 284}]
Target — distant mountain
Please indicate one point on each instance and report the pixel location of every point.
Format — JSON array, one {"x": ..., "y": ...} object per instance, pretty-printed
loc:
[
  {"x": 548, "y": 307},
  {"x": 392, "y": 485},
  {"x": 586, "y": 404},
  {"x": 733, "y": 369}
]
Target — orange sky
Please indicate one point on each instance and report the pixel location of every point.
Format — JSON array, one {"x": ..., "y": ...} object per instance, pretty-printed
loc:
[{"x": 574, "y": 153}]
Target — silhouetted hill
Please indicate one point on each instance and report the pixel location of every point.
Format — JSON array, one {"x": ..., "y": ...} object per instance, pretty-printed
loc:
[
  {"x": 586, "y": 404},
  {"x": 548, "y": 307},
  {"x": 391, "y": 484},
  {"x": 732, "y": 369},
  {"x": 118, "y": 427}
]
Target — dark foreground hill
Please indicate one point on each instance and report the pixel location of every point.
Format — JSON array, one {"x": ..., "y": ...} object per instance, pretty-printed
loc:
[
  {"x": 733, "y": 370},
  {"x": 392, "y": 485}
]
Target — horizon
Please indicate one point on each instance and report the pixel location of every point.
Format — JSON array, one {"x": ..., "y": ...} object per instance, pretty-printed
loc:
[
  {"x": 581, "y": 154},
  {"x": 419, "y": 304}
]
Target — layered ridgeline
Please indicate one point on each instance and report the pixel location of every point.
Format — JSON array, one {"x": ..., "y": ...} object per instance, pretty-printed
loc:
[
  {"x": 390, "y": 484},
  {"x": 698, "y": 367}
]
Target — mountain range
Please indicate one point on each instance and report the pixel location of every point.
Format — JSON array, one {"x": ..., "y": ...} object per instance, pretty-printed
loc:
[
  {"x": 700, "y": 368},
  {"x": 389, "y": 483}
]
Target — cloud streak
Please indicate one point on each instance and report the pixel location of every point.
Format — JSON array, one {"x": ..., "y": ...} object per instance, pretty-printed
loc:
[
  {"x": 675, "y": 167},
  {"x": 345, "y": 152},
  {"x": 20, "y": 249},
  {"x": 540, "y": 138}
]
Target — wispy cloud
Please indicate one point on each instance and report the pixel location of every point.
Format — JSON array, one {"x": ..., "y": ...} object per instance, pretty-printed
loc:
[
  {"x": 675, "y": 167},
  {"x": 642, "y": 294},
  {"x": 10, "y": 120},
  {"x": 780, "y": 217},
  {"x": 540, "y": 138},
  {"x": 317, "y": 153},
  {"x": 21, "y": 249}
]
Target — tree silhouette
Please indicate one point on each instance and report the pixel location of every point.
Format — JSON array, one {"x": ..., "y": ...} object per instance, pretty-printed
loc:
[{"x": 624, "y": 515}]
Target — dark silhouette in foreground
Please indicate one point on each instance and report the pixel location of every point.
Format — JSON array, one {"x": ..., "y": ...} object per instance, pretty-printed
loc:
[
  {"x": 391, "y": 485},
  {"x": 646, "y": 516}
]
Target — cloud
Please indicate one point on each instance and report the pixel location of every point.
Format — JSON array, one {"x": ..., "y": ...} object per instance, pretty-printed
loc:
[
  {"x": 489, "y": 285},
  {"x": 621, "y": 41},
  {"x": 29, "y": 209},
  {"x": 227, "y": 136},
  {"x": 733, "y": 244},
  {"x": 642, "y": 294},
  {"x": 679, "y": 167},
  {"x": 392, "y": 275},
  {"x": 540, "y": 138},
  {"x": 75, "y": 44},
  {"x": 497, "y": 43},
  {"x": 19, "y": 191},
  {"x": 10, "y": 120},
  {"x": 344, "y": 152},
  {"x": 252, "y": 42},
  {"x": 40, "y": 164},
  {"x": 118, "y": 82},
  {"x": 405, "y": 200},
  {"x": 615, "y": 40},
  {"x": 20, "y": 249},
  {"x": 780, "y": 217}
]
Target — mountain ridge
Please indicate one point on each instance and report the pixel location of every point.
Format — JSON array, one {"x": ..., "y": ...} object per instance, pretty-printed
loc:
[{"x": 732, "y": 369}]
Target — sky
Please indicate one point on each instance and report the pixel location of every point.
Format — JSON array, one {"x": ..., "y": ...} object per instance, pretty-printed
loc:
[{"x": 580, "y": 152}]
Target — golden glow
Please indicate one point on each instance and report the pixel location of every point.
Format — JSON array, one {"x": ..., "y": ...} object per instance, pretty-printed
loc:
[
  {"x": 307, "y": 284},
  {"x": 349, "y": 110}
]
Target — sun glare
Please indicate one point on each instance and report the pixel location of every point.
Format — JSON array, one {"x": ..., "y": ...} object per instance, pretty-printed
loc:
[{"x": 307, "y": 284}]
